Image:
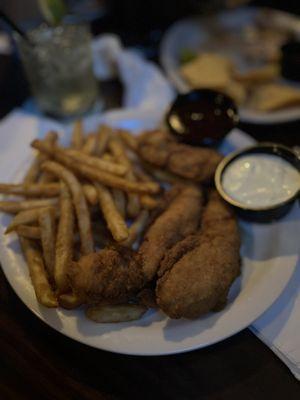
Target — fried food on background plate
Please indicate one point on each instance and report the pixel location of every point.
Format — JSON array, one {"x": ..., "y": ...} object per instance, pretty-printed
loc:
[
  {"x": 263, "y": 74},
  {"x": 257, "y": 88},
  {"x": 180, "y": 218},
  {"x": 162, "y": 150},
  {"x": 208, "y": 70},
  {"x": 213, "y": 71},
  {"x": 196, "y": 277},
  {"x": 273, "y": 96},
  {"x": 237, "y": 91}
]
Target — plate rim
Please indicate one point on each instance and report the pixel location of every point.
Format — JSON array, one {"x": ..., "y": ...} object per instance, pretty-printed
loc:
[{"x": 142, "y": 354}]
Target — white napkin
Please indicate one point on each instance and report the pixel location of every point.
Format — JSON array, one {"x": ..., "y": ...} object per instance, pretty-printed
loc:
[
  {"x": 279, "y": 326},
  {"x": 147, "y": 92},
  {"x": 148, "y": 95}
]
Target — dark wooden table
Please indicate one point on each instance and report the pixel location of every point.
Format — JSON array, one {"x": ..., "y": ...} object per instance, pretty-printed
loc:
[{"x": 37, "y": 362}]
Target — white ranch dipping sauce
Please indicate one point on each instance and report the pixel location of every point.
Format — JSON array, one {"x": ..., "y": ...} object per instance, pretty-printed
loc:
[{"x": 260, "y": 180}]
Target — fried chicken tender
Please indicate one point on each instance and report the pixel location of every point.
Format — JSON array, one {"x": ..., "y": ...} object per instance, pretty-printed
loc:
[
  {"x": 162, "y": 150},
  {"x": 109, "y": 276},
  {"x": 147, "y": 298},
  {"x": 195, "y": 276},
  {"x": 180, "y": 218}
]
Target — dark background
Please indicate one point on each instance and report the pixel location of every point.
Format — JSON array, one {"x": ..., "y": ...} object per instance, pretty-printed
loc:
[{"x": 139, "y": 23}]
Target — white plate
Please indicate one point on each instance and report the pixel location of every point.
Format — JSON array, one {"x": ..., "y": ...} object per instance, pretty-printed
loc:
[
  {"x": 269, "y": 256},
  {"x": 192, "y": 34}
]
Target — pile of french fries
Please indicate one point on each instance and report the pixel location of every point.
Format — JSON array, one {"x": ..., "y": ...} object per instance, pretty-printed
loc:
[{"x": 76, "y": 200}]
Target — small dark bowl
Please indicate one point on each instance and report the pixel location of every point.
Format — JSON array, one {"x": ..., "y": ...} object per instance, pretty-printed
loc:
[
  {"x": 202, "y": 117},
  {"x": 263, "y": 214},
  {"x": 290, "y": 60}
]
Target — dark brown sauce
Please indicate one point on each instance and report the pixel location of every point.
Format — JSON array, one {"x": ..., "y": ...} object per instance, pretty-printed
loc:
[
  {"x": 290, "y": 60},
  {"x": 202, "y": 117}
]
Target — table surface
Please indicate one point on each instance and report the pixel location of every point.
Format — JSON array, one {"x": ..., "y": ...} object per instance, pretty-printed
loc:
[{"x": 40, "y": 363}]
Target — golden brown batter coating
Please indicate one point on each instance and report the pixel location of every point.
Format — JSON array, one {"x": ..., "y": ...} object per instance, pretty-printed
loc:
[
  {"x": 200, "y": 280},
  {"x": 195, "y": 163},
  {"x": 180, "y": 219},
  {"x": 110, "y": 275}
]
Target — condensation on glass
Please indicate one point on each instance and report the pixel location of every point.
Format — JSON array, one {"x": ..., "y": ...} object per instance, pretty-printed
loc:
[{"x": 59, "y": 69}]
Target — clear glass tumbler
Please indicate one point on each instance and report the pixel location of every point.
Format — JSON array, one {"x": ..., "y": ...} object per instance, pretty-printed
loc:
[{"x": 58, "y": 64}]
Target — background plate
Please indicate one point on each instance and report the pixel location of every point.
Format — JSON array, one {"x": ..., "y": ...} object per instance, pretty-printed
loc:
[{"x": 195, "y": 34}]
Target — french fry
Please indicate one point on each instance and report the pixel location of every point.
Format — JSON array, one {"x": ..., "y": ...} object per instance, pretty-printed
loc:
[
  {"x": 96, "y": 162},
  {"x": 116, "y": 224},
  {"x": 51, "y": 139},
  {"x": 133, "y": 205},
  {"x": 129, "y": 140},
  {"x": 33, "y": 172},
  {"x": 118, "y": 152},
  {"x": 69, "y": 301},
  {"x": 115, "y": 181},
  {"x": 115, "y": 313},
  {"x": 29, "y": 232},
  {"x": 46, "y": 177},
  {"x": 71, "y": 157},
  {"x": 117, "y": 149},
  {"x": 148, "y": 202},
  {"x": 81, "y": 208},
  {"x": 90, "y": 144},
  {"x": 108, "y": 157},
  {"x": 31, "y": 189},
  {"x": 48, "y": 236},
  {"x": 32, "y": 254},
  {"x": 104, "y": 134},
  {"x": 137, "y": 228},
  {"x": 42, "y": 288},
  {"x": 64, "y": 241},
  {"x": 13, "y": 207},
  {"x": 91, "y": 194},
  {"x": 26, "y": 217},
  {"x": 77, "y": 139},
  {"x": 142, "y": 175},
  {"x": 96, "y": 175},
  {"x": 120, "y": 201}
]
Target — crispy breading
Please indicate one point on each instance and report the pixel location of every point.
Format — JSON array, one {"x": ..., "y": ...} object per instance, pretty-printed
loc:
[
  {"x": 180, "y": 218},
  {"x": 195, "y": 163},
  {"x": 147, "y": 298},
  {"x": 109, "y": 275},
  {"x": 200, "y": 280},
  {"x": 177, "y": 251}
]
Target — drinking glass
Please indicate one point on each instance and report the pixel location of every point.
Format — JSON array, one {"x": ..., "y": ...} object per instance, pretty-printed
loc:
[{"x": 58, "y": 64}]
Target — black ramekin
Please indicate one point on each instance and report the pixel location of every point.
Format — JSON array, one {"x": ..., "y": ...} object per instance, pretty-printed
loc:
[{"x": 263, "y": 214}]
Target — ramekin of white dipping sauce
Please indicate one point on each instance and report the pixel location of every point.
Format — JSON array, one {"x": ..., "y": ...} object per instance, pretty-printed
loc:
[{"x": 261, "y": 182}]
